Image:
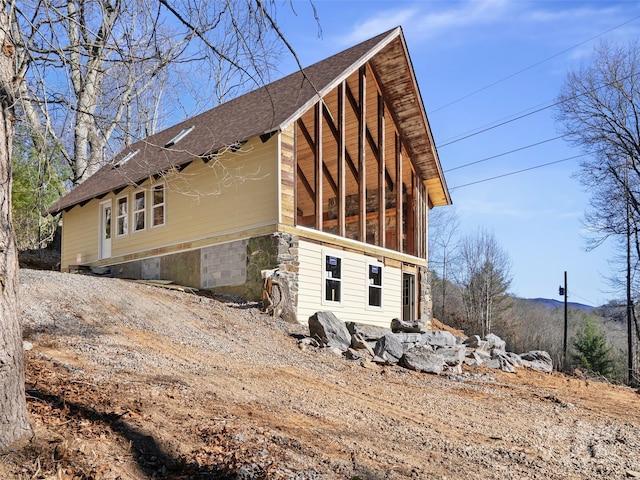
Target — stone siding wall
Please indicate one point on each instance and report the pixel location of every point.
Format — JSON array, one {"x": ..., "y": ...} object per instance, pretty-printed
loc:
[{"x": 426, "y": 301}]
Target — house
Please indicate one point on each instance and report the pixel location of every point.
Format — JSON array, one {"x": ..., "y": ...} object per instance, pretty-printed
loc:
[{"x": 325, "y": 176}]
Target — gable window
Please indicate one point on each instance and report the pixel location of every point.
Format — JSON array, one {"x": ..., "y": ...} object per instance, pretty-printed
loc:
[
  {"x": 374, "y": 284},
  {"x": 157, "y": 206},
  {"x": 139, "y": 211},
  {"x": 122, "y": 216},
  {"x": 332, "y": 279}
]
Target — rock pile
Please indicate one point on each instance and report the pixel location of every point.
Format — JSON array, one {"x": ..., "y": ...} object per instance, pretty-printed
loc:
[{"x": 411, "y": 345}]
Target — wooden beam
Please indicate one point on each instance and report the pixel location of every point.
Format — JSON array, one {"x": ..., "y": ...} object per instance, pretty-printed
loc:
[
  {"x": 305, "y": 183},
  {"x": 370, "y": 140},
  {"x": 312, "y": 145},
  {"x": 342, "y": 155},
  {"x": 382, "y": 169},
  {"x": 336, "y": 134},
  {"x": 318, "y": 161},
  {"x": 362, "y": 138},
  {"x": 398, "y": 193}
]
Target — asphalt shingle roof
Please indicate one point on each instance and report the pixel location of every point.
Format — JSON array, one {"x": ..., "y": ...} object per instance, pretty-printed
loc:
[{"x": 258, "y": 112}]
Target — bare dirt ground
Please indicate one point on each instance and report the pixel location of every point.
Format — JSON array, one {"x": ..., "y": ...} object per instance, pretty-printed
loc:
[{"x": 129, "y": 381}]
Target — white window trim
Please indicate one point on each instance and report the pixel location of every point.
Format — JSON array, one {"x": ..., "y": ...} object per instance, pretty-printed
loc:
[
  {"x": 125, "y": 216},
  {"x": 326, "y": 254},
  {"x": 134, "y": 223},
  {"x": 368, "y": 306},
  {"x": 164, "y": 205}
]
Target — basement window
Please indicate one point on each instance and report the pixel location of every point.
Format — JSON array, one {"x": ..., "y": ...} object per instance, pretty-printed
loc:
[
  {"x": 179, "y": 137},
  {"x": 332, "y": 279}
]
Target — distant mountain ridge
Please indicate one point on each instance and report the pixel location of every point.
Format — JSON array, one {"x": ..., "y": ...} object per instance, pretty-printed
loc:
[{"x": 552, "y": 303}]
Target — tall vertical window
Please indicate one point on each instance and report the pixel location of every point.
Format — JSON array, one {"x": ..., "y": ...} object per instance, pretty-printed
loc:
[
  {"x": 375, "y": 284},
  {"x": 139, "y": 211},
  {"x": 157, "y": 206},
  {"x": 122, "y": 216},
  {"x": 332, "y": 279}
]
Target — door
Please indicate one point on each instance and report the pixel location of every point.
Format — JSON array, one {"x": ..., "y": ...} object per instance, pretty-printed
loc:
[
  {"x": 408, "y": 297},
  {"x": 105, "y": 230}
]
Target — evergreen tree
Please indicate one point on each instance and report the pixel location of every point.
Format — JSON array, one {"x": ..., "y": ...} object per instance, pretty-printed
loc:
[{"x": 592, "y": 351}]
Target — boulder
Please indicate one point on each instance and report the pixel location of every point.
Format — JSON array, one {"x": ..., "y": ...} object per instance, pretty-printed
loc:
[
  {"x": 369, "y": 333},
  {"x": 416, "y": 326},
  {"x": 454, "y": 355},
  {"x": 537, "y": 360},
  {"x": 358, "y": 343},
  {"x": 423, "y": 359},
  {"x": 439, "y": 338},
  {"x": 506, "y": 362},
  {"x": 474, "y": 341},
  {"x": 494, "y": 341},
  {"x": 389, "y": 348},
  {"x": 329, "y": 330}
]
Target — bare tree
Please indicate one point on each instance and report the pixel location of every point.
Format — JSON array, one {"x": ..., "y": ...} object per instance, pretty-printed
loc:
[
  {"x": 77, "y": 71},
  {"x": 443, "y": 228},
  {"x": 483, "y": 276},
  {"x": 599, "y": 111},
  {"x": 13, "y": 408},
  {"x": 99, "y": 74}
]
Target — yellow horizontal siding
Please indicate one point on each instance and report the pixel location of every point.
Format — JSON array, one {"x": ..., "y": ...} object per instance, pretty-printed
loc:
[
  {"x": 354, "y": 306},
  {"x": 80, "y": 234},
  {"x": 234, "y": 192}
]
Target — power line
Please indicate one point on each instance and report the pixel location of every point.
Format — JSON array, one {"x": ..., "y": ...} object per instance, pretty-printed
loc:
[
  {"x": 503, "y": 154},
  {"x": 532, "y": 66},
  {"x": 519, "y": 171}
]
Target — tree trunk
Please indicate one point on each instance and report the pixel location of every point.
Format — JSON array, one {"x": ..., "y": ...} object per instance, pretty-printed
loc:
[{"x": 13, "y": 408}]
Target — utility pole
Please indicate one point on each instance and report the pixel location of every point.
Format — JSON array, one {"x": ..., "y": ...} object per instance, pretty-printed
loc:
[
  {"x": 563, "y": 291},
  {"x": 629, "y": 299}
]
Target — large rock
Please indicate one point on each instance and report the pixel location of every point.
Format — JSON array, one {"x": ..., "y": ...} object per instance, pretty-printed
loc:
[
  {"x": 506, "y": 361},
  {"x": 416, "y": 326},
  {"x": 495, "y": 342},
  {"x": 359, "y": 343},
  {"x": 389, "y": 348},
  {"x": 537, "y": 360},
  {"x": 330, "y": 330},
  {"x": 439, "y": 338},
  {"x": 423, "y": 359},
  {"x": 474, "y": 341},
  {"x": 454, "y": 355},
  {"x": 369, "y": 333}
]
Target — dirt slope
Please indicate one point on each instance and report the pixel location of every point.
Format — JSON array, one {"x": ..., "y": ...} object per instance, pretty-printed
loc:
[{"x": 130, "y": 381}]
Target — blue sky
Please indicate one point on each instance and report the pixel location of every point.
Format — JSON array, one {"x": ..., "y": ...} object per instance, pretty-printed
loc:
[{"x": 479, "y": 63}]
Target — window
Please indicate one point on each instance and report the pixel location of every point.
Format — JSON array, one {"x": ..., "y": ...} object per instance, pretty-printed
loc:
[
  {"x": 374, "y": 284},
  {"x": 122, "y": 216},
  {"x": 157, "y": 206},
  {"x": 332, "y": 279},
  {"x": 139, "y": 214}
]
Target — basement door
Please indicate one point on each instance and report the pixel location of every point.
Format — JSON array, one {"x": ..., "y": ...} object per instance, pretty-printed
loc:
[
  {"x": 105, "y": 229},
  {"x": 408, "y": 297}
]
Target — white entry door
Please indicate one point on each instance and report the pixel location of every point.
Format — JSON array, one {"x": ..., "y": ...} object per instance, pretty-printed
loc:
[{"x": 105, "y": 229}]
